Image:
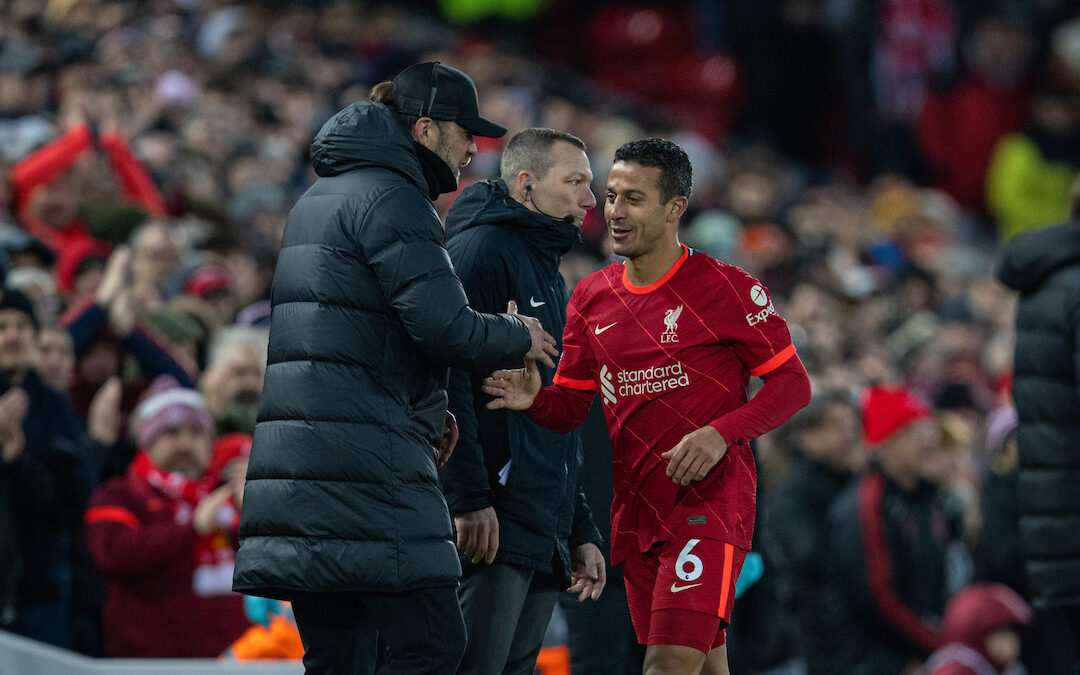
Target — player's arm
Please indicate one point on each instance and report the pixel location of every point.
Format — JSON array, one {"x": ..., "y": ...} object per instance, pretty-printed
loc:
[
  {"x": 555, "y": 407},
  {"x": 563, "y": 406},
  {"x": 786, "y": 389}
]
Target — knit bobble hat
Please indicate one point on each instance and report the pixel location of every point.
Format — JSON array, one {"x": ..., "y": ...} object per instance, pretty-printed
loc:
[
  {"x": 887, "y": 410},
  {"x": 170, "y": 405}
]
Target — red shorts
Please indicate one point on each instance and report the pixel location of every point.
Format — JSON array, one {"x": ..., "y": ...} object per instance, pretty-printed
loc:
[{"x": 681, "y": 592}]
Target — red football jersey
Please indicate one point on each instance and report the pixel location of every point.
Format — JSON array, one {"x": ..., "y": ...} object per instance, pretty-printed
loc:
[{"x": 668, "y": 359}]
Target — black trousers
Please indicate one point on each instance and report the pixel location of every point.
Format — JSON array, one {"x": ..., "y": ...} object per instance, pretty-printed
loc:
[{"x": 422, "y": 629}]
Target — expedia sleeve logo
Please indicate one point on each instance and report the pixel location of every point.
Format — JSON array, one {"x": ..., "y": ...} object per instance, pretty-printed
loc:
[{"x": 760, "y": 297}]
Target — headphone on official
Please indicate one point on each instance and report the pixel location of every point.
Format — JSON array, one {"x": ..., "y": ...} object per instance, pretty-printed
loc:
[{"x": 528, "y": 185}]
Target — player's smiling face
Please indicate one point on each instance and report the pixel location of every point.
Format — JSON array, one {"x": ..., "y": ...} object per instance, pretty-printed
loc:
[{"x": 635, "y": 215}]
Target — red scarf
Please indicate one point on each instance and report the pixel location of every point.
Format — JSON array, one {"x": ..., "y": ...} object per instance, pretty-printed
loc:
[{"x": 214, "y": 553}]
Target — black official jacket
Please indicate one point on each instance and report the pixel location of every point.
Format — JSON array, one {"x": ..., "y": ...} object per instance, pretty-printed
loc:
[
  {"x": 342, "y": 489},
  {"x": 1045, "y": 267},
  {"x": 503, "y": 251}
]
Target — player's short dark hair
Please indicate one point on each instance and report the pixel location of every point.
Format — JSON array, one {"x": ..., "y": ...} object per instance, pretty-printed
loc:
[
  {"x": 676, "y": 174},
  {"x": 530, "y": 150}
]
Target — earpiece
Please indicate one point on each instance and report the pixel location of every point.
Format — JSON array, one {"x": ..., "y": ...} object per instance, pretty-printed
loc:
[{"x": 528, "y": 185}]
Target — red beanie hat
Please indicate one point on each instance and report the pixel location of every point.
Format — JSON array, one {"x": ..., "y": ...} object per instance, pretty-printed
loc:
[
  {"x": 980, "y": 609},
  {"x": 887, "y": 410}
]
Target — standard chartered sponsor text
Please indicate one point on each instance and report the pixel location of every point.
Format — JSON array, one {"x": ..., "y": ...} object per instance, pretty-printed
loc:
[{"x": 652, "y": 380}]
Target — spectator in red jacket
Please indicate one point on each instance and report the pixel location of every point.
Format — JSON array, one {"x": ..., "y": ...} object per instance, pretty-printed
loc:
[
  {"x": 961, "y": 125},
  {"x": 164, "y": 535},
  {"x": 981, "y": 625}
]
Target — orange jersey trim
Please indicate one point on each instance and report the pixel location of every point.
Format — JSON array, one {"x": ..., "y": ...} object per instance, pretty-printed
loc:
[
  {"x": 775, "y": 362},
  {"x": 584, "y": 385},
  {"x": 725, "y": 580},
  {"x": 111, "y": 514},
  {"x": 642, "y": 290}
]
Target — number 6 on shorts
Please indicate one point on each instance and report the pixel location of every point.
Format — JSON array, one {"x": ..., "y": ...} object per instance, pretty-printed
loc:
[{"x": 686, "y": 557}]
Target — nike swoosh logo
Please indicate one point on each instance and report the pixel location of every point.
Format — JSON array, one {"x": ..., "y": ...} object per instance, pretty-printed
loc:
[
  {"x": 676, "y": 589},
  {"x": 535, "y": 303},
  {"x": 599, "y": 330}
]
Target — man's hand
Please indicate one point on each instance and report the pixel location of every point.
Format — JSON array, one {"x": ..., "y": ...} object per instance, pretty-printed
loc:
[
  {"x": 588, "y": 573},
  {"x": 207, "y": 515},
  {"x": 103, "y": 418},
  {"x": 449, "y": 439},
  {"x": 13, "y": 408},
  {"x": 115, "y": 276},
  {"x": 122, "y": 313},
  {"x": 543, "y": 345},
  {"x": 695, "y": 455},
  {"x": 478, "y": 534},
  {"x": 12, "y": 444},
  {"x": 513, "y": 389}
]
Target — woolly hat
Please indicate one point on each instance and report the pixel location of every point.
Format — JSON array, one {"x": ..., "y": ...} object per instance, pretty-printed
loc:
[
  {"x": 14, "y": 299},
  {"x": 170, "y": 405},
  {"x": 887, "y": 410},
  {"x": 980, "y": 609}
]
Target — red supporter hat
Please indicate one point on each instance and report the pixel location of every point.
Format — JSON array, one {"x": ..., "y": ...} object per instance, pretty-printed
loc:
[
  {"x": 206, "y": 280},
  {"x": 231, "y": 446},
  {"x": 887, "y": 410},
  {"x": 980, "y": 609}
]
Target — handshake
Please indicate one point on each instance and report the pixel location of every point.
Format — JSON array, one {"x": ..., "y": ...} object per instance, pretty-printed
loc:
[{"x": 543, "y": 344}]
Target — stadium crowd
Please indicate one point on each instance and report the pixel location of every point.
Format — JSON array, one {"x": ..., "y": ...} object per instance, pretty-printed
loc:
[{"x": 864, "y": 160}]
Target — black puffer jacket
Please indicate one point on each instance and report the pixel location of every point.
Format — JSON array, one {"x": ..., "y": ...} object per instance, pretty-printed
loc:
[
  {"x": 503, "y": 251},
  {"x": 1045, "y": 267},
  {"x": 342, "y": 489}
]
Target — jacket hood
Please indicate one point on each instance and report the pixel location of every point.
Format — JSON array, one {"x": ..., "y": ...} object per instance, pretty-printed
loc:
[
  {"x": 488, "y": 202},
  {"x": 1030, "y": 259},
  {"x": 363, "y": 135}
]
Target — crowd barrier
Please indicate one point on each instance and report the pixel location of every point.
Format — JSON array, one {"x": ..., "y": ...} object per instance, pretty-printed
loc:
[{"x": 20, "y": 656}]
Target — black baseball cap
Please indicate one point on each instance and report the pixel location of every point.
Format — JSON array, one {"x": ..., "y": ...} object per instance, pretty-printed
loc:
[{"x": 440, "y": 92}]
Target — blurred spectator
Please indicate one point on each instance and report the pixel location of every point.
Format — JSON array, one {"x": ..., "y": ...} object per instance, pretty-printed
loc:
[
  {"x": 55, "y": 357},
  {"x": 890, "y": 51},
  {"x": 1030, "y": 173},
  {"x": 233, "y": 380},
  {"x": 106, "y": 331},
  {"x": 1044, "y": 267},
  {"x": 824, "y": 441},
  {"x": 51, "y": 473},
  {"x": 998, "y": 555},
  {"x": 211, "y": 285},
  {"x": 48, "y": 198},
  {"x": 155, "y": 257},
  {"x": 164, "y": 537},
  {"x": 982, "y": 625},
  {"x": 887, "y": 540},
  {"x": 961, "y": 123}
]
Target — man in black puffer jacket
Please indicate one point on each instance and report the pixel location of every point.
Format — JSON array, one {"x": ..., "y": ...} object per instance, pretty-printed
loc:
[
  {"x": 1044, "y": 266},
  {"x": 523, "y": 526},
  {"x": 343, "y": 514}
]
